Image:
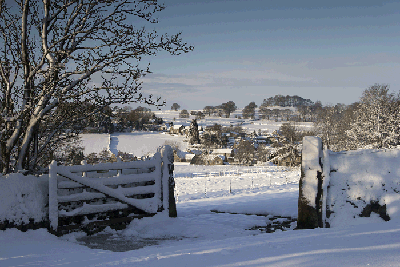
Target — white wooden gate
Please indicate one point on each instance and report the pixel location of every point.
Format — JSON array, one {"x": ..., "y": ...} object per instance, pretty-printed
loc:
[{"x": 110, "y": 193}]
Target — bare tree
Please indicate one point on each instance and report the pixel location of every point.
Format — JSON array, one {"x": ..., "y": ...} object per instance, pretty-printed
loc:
[
  {"x": 332, "y": 124},
  {"x": 376, "y": 122},
  {"x": 70, "y": 51}
]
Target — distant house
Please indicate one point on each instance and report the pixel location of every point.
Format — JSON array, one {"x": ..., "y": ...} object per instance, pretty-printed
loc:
[
  {"x": 186, "y": 130},
  {"x": 207, "y": 159},
  {"x": 151, "y": 127},
  {"x": 224, "y": 153},
  {"x": 176, "y": 129},
  {"x": 217, "y": 161},
  {"x": 263, "y": 139}
]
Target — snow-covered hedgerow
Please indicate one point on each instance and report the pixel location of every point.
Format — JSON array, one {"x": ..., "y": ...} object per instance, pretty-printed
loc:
[
  {"x": 23, "y": 199},
  {"x": 362, "y": 182},
  {"x": 338, "y": 187}
]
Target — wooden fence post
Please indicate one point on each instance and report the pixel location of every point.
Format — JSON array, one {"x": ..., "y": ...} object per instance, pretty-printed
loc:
[
  {"x": 53, "y": 201},
  {"x": 168, "y": 183},
  {"x": 325, "y": 183},
  {"x": 310, "y": 186},
  {"x": 158, "y": 181}
]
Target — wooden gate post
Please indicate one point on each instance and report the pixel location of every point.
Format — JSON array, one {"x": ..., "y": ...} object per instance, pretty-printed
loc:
[
  {"x": 53, "y": 200},
  {"x": 168, "y": 183},
  {"x": 310, "y": 186}
]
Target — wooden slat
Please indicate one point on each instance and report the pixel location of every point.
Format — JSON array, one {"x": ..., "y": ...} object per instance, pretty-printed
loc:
[
  {"x": 89, "y": 209},
  {"x": 116, "y": 180},
  {"x": 139, "y": 190},
  {"x": 80, "y": 197},
  {"x": 110, "y": 166}
]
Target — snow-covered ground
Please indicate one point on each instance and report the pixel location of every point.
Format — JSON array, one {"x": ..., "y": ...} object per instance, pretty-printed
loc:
[
  {"x": 95, "y": 143},
  {"x": 137, "y": 143},
  {"x": 143, "y": 143},
  {"x": 222, "y": 214},
  {"x": 200, "y": 237}
]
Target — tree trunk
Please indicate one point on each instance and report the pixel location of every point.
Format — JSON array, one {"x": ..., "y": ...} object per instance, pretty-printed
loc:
[{"x": 24, "y": 148}]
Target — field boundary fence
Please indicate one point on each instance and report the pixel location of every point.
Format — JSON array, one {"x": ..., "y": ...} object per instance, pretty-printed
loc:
[
  {"x": 231, "y": 181},
  {"x": 235, "y": 172}
]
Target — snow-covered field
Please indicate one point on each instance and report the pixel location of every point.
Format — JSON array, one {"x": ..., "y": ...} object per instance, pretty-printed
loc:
[
  {"x": 95, "y": 143},
  {"x": 137, "y": 143},
  {"x": 142, "y": 143}
]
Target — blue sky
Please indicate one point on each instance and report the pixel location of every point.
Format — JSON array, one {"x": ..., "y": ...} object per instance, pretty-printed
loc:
[{"x": 250, "y": 50}]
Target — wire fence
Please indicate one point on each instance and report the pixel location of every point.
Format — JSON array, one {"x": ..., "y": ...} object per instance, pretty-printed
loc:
[
  {"x": 224, "y": 183},
  {"x": 234, "y": 172}
]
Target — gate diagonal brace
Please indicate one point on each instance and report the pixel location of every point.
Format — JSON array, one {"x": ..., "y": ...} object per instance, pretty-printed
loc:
[{"x": 104, "y": 189}]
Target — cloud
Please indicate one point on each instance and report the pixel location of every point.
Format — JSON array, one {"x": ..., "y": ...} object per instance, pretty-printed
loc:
[
  {"x": 167, "y": 80},
  {"x": 236, "y": 77},
  {"x": 259, "y": 76}
]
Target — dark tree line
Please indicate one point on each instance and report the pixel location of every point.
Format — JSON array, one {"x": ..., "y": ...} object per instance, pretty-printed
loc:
[
  {"x": 287, "y": 101},
  {"x": 223, "y": 109},
  {"x": 128, "y": 118}
]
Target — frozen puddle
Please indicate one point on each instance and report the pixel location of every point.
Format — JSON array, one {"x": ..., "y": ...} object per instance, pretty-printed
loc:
[
  {"x": 220, "y": 225},
  {"x": 118, "y": 243},
  {"x": 273, "y": 224}
]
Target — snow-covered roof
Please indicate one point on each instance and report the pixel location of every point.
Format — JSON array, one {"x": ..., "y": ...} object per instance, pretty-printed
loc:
[
  {"x": 189, "y": 156},
  {"x": 222, "y": 151},
  {"x": 222, "y": 157},
  {"x": 263, "y": 137}
]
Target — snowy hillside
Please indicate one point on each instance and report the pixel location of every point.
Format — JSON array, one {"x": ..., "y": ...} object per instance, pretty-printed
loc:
[{"x": 248, "y": 124}]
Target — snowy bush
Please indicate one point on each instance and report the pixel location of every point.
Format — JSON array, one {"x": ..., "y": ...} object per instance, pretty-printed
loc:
[
  {"x": 23, "y": 198},
  {"x": 338, "y": 187},
  {"x": 362, "y": 182}
]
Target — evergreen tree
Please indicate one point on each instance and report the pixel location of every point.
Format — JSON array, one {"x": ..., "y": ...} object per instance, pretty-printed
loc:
[{"x": 194, "y": 132}]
